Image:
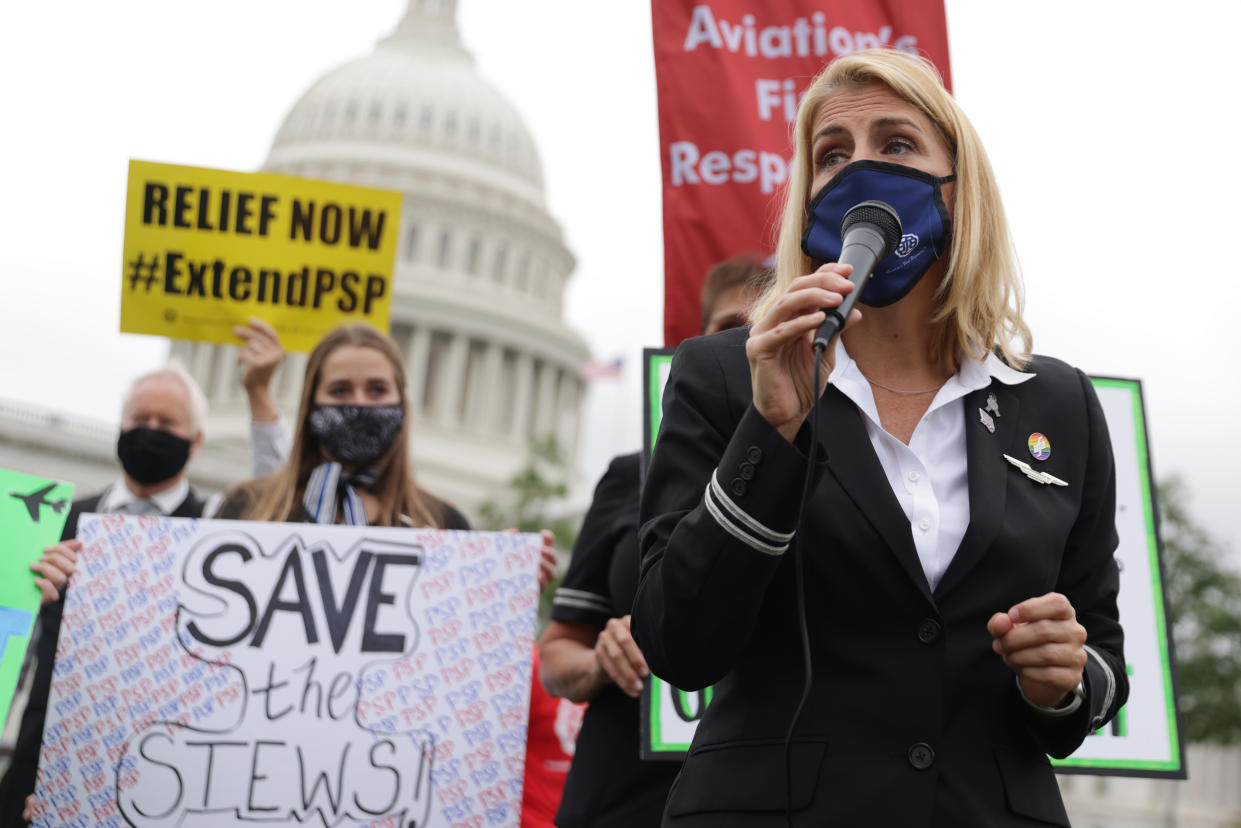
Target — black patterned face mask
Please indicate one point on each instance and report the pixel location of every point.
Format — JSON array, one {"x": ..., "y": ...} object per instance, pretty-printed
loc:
[{"x": 356, "y": 433}]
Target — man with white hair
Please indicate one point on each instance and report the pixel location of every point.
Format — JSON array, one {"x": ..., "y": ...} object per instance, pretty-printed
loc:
[{"x": 162, "y": 422}]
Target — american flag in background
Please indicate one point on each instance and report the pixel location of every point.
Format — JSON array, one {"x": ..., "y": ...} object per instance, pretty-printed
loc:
[{"x": 593, "y": 369}]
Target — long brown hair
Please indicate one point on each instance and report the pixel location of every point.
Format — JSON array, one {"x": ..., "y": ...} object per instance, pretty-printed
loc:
[{"x": 275, "y": 496}]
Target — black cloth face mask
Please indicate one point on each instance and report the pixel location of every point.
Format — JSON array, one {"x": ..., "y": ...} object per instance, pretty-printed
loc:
[
  {"x": 356, "y": 434},
  {"x": 151, "y": 456}
]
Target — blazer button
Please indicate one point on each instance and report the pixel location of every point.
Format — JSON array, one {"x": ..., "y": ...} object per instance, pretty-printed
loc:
[
  {"x": 738, "y": 486},
  {"x": 746, "y": 471},
  {"x": 754, "y": 454},
  {"x": 921, "y": 756},
  {"x": 929, "y": 631}
]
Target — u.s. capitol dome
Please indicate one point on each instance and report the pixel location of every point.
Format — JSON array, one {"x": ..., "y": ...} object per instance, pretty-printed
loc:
[{"x": 481, "y": 265}]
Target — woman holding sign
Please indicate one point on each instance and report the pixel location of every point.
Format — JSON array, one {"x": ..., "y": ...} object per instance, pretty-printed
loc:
[
  {"x": 941, "y": 614},
  {"x": 349, "y": 460}
]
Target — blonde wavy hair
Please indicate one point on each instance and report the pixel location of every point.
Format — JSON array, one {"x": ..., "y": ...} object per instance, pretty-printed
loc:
[
  {"x": 275, "y": 496},
  {"x": 978, "y": 307}
]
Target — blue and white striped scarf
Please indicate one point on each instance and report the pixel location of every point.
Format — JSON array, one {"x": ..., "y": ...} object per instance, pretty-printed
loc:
[{"x": 328, "y": 483}]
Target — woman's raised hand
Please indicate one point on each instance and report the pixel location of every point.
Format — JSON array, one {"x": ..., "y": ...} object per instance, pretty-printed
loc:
[
  {"x": 259, "y": 356},
  {"x": 780, "y": 351}
]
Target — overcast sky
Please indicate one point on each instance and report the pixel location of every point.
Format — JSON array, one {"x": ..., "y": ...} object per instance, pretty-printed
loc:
[{"x": 1109, "y": 125}]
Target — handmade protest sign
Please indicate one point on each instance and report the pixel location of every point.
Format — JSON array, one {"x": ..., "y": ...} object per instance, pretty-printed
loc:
[
  {"x": 1144, "y": 739},
  {"x": 32, "y": 515},
  {"x": 208, "y": 249},
  {"x": 227, "y": 673}
]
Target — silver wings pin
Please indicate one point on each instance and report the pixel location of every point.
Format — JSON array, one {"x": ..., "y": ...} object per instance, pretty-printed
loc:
[{"x": 1036, "y": 476}]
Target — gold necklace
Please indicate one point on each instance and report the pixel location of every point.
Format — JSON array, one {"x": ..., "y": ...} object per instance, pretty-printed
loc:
[{"x": 899, "y": 391}]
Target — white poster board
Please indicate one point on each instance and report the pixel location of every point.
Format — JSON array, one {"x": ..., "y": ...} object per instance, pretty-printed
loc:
[{"x": 229, "y": 673}]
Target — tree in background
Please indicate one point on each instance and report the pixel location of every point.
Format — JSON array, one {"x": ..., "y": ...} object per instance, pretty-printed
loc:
[
  {"x": 535, "y": 490},
  {"x": 1204, "y": 595}
]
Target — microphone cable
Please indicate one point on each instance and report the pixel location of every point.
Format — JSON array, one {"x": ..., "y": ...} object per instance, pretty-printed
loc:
[
  {"x": 800, "y": 589},
  {"x": 872, "y": 231}
]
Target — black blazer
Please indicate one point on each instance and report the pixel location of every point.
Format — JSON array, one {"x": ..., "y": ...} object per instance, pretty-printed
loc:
[
  {"x": 912, "y": 719},
  {"x": 19, "y": 781}
]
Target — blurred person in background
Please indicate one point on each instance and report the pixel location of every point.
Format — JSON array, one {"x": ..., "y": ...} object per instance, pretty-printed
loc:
[{"x": 587, "y": 651}]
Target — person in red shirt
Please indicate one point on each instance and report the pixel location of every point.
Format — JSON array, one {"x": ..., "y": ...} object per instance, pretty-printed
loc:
[{"x": 550, "y": 741}]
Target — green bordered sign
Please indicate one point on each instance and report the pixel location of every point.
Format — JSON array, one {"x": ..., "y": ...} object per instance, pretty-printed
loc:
[
  {"x": 1145, "y": 737},
  {"x": 669, "y": 715},
  {"x": 33, "y": 511},
  {"x": 656, "y": 362}
]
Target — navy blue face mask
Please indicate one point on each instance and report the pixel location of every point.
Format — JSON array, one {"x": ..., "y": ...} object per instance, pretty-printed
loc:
[{"x": 917, "y": 198}]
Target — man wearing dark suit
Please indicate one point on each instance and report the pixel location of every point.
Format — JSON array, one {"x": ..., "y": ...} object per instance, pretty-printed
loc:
[
  {"x": 587, "y": 650},
  {"x": 161, "y": 429}
]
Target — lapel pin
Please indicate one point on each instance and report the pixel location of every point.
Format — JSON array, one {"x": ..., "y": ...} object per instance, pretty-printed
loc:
[
  {"x": 1040, "y": 446},
  {"x": 985, "y": 419},
  {"x": 1036, "y": 476},
  {"x": 992, "y": 405}
]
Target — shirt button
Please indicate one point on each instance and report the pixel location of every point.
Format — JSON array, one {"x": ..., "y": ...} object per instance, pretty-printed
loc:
[
  {"x": 915, "y": 475},
  {"x": 746, "y": 471},
  {"x": 921, "y": 756},
  {"x": 929, "y": 630},
  {"x": 924, "y": 524}
]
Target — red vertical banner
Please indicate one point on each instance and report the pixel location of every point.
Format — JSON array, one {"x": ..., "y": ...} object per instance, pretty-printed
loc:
[{"x": 729, "y": 75}]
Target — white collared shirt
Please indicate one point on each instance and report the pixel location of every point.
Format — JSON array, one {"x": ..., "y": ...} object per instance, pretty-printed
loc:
[
  {"x": 118, "y": 496},
  {"x": 930, "y": 475}
]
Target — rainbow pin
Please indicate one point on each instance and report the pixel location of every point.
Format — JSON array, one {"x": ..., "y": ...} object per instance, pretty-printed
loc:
[{"x": 1040, "y": 446}]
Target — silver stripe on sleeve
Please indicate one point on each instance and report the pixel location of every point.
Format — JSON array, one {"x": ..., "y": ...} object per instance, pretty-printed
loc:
[
  {"x": 740, "y": 514},
  {"x": 579, "y": 604},
  {"x": 736, "y": 531},
  {"x": 582, "y": 598},
  {"x": 1110, "y": 694}
]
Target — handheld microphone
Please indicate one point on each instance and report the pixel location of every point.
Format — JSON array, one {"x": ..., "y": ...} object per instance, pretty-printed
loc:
[{"x": 870, "y": 231}]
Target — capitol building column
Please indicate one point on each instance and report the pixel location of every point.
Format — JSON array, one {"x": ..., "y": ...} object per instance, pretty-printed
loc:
[
  {"x": 290, "y": 383},
  {"x": 200, "y": 364},
  {"x": 518, "y": 426},
  {"x": 447, "y": 405},
  {"x": 492, "y": 407},
  {"x": 569, "y": 408},
  {"x": 225, "y": 379},
  {"x": 545, "y": 405},
  {"x": 416, "y": 355}
]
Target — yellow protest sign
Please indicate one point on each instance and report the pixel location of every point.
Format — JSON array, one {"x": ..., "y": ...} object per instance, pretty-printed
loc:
[{"x": 207, "y": 249}]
